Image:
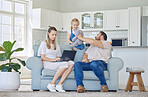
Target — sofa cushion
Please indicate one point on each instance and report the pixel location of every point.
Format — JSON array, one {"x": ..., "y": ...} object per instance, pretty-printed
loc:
[
  {"x": 87, "y": 74},
  {"x": 79, "y": 55},
  {"x": 35, "y": 49}
]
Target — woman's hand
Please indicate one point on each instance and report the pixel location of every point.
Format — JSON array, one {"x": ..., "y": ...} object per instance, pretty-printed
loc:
[
  {"x": 85, "y": 60},
  {"x": 57, "y": 59}
]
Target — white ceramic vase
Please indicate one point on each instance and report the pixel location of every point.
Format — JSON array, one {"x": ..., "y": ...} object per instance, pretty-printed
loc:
[{"x": 9, "y": 81}]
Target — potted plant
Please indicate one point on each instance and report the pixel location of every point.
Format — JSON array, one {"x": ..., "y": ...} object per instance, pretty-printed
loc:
[{"x": 9, "y": 75}]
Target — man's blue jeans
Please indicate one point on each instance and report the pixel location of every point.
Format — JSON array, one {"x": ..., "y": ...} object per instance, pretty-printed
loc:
[{"x": 97, "y": 66}]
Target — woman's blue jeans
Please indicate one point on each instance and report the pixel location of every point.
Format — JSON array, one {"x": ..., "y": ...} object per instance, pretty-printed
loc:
[{"x": 97, "y": 66}]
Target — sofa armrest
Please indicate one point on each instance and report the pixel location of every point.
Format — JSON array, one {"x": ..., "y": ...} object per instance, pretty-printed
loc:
[
  {"x": 115, "y": 64},
  {"x": 35, "y": 65}
]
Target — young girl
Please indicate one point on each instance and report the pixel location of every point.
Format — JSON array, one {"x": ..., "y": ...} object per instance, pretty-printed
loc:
[
  {"x": 73, "y": 32},
  {"x": 49, "y": 51}
]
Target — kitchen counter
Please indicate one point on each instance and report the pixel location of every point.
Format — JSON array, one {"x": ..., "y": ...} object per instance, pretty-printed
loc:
[
  {"x": 132, "y": 56},
  {"x": 129, "y": 47}
]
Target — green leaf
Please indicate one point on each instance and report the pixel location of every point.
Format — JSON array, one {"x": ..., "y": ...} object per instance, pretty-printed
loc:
[
  {"x": 6, "y": 69},
  {"x": 8, "y": 46},
  {"x": 18, "y": 49},
  {"x": 15, "y": 66},
  {"x": 4, "y": 56},
  {"x": 2, "y": 49},
  {"x": 3, "y": 65},
  {"x": 13, "y": 44},
  {"x": 22, "y": 62}
]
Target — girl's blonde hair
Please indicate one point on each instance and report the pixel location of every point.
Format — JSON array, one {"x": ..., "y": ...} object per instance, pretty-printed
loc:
[
  {"x": 48, "y": 38},
  {"x": 74, "y": 20}
]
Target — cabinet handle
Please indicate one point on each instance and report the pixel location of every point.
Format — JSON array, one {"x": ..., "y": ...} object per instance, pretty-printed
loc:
[{"x": 133, "y": 42}]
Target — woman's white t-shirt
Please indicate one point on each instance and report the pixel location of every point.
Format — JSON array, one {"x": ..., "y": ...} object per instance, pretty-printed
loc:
[
  {"x": 49, "y": 53},
  {"x": 52, "y": 54}
]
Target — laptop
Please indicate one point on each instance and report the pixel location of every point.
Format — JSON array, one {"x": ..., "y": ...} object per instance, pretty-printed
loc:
[{"x": 67, "y": 56}]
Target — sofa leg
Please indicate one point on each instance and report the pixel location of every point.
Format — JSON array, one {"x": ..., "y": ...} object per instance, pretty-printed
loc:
[
  {"x": 112, "y": 90},
  {"x": 35, "y": 90}
]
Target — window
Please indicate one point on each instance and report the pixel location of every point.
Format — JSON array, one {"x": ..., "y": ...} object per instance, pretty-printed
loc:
[
  {"x": 13, "y": 22},
  {"x": 5, "y": 27},
  {"x": 19, "y": 8},
  {"x": 5, "y": 5}
]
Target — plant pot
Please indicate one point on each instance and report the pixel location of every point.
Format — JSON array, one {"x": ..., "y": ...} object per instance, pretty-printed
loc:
[{"x": 9, "y": 81}]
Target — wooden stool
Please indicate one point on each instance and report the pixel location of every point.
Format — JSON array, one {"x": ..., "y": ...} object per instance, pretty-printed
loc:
[{"x": 139, "y": 82}]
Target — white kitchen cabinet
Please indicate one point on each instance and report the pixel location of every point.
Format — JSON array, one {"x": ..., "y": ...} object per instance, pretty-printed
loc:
[
  {"x": 36, "y": 18},
  {"x": 43, "y": 18},
  {"x": 92, "y": 21},
  {"x": 145, "y": 11},
  {"x": 116, "y": 20},
  {"x": 67, "y": 17},
  {"x": 134, "y": 33},
  {"x": 56, "y": 20},
  {"x": 86, "y": 20}
]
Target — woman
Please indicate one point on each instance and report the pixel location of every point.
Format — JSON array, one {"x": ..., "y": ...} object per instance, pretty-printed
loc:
[{"x": 50, "y": 52}]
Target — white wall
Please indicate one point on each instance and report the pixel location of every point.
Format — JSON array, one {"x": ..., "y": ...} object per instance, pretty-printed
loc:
[
  {"x": 54, "y": 5},
  {"x": 94, "y": 5},
  {"x": 39, "y": 35},
  {"x": 86, "y": 5},
  {"x": 147, "y": 31}
]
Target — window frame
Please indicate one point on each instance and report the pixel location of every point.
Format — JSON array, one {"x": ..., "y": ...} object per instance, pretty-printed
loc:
[{"x": 13, "y": 14}]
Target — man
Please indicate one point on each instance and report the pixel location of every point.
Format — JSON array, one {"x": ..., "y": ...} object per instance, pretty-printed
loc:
[{"x": 95, "y": 59}]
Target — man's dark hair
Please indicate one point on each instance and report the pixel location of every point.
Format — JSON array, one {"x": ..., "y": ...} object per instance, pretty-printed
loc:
[{"x": 104, "y": 35}]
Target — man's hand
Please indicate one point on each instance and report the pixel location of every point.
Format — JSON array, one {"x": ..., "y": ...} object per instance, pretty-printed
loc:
[
  {"x": 95, "y": 42},
  {"x": 85, "y": 60}
]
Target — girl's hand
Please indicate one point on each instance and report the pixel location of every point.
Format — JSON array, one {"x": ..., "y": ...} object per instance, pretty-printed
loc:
[
  {"x": 72, "y": 42},
  {"x": 79, "y": 36}
]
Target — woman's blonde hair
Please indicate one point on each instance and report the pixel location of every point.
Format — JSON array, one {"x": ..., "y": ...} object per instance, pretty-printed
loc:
[
  {"x": 74, "y": 20},
  {"x": 48, "y": 38}
]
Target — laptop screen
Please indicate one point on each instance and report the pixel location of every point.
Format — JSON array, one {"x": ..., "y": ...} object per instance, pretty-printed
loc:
[{"x": 68, "y": 55}]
